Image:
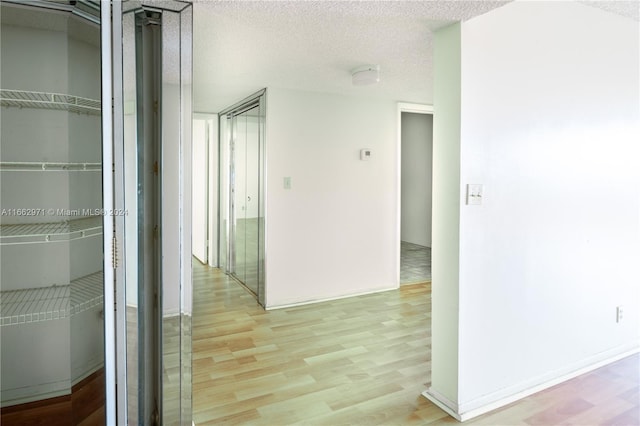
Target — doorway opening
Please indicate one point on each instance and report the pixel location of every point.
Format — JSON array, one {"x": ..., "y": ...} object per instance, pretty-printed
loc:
[
  {"x": 242, "y": 206},
  {"x": 204, "y": 189},
  {"x": 415, "y": 124}
]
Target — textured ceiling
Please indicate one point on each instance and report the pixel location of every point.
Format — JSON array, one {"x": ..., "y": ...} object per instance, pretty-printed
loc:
[
  {"x": 628, "y": 8},
  {"x": 243, "y": 46}
]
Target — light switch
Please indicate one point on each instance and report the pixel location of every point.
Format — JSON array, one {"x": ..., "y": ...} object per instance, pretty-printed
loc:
[
  {"x": 287, "y": 182},
  {"x": 474, "y": 194}
]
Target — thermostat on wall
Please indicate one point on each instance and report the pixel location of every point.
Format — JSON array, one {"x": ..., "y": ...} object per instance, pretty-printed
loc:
[{"x": 365, "y": 154}]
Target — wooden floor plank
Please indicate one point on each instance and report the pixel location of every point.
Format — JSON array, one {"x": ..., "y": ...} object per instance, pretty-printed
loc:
[
  {"x": 83, "y": 406},
  {"x": 357, "y": 361}
]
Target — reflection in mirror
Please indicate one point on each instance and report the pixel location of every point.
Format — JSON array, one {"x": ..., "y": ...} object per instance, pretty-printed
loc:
[
  {"x": 246, "y": 169},
  {"x": 156, "y": 43},
  {"x": 242, "y": 219},
  {"x": 224, "y": 164},
  {"x": 131, "y": 220},
  {"x": 51, "y": 241},
  {"x": 186, "y": 291}
]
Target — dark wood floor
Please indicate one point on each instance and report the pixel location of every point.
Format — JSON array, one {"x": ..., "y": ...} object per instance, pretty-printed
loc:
[
  {"x": 84, "y": 406},
  {"x": 358, "y": 361}
]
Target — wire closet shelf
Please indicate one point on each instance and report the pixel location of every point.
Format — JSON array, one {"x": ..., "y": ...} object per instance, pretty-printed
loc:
[
  {"x": 45, "y": 100},
  {"x": 51, "y": 231},
  {"x": 51, "y": 303},
  {"x": 26, "y": 166}
]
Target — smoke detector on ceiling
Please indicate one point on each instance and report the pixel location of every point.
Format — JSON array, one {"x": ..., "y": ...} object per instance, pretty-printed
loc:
[{"x": 365, "y": 75}]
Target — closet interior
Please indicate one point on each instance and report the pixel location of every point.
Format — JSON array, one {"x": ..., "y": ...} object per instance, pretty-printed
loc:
[{"x": 51, "y": 256}]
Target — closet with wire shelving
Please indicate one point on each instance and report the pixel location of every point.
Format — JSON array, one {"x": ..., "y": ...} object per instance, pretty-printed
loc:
[{"x": 51, "y": 258}]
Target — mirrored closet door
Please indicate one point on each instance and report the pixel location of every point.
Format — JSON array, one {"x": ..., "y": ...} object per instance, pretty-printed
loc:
[
  {"x": 242, "y": 146},
  {"x": 51, "y": 239},
  {"x": 153, "y": 154}
]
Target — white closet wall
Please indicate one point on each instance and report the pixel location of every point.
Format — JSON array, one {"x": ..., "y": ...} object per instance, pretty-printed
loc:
[
  {"x": 417, "y": 148},
  {"x": 51, "y": 256}
]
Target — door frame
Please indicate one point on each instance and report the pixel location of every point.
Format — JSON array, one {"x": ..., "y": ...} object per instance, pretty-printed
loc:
[
  {"x": 416, "y": 109},
  {"x": 208, "y": 208},
  {"x": 110, "y": 179}
]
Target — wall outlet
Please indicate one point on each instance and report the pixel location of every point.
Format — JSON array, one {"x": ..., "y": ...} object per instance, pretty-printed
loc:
[{"x": 619, "y": 313}]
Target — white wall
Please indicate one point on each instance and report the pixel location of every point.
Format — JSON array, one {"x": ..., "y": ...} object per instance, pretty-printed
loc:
[
  {"x": 42, "y": 359},
  {"x": 417, "y": 146},
  {"x": 550, "y": 126},
  {"x": 446, "y": 213},
  {"x": 334, "y": 233}
]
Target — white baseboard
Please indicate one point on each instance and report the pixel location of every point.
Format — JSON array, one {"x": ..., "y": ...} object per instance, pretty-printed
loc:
[
  {"x": 170, "y": 313},
  {"x": 484, "y": 405},
  {"x": 34, "y": 393},
  {"x": 444, "y": 403},
  {"x": 329, "y": 299}
]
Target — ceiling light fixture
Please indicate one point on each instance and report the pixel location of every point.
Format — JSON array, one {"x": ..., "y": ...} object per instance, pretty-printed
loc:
[{"x": 365, "y": 75}]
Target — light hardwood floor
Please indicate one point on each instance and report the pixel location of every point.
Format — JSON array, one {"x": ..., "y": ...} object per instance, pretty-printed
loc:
[
  {"x": 358, "y": 361},
  {"x": 415, "y": 263}
]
